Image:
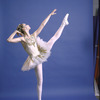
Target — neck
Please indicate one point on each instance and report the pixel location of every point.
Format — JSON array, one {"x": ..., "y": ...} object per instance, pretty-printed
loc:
[{"x": 27, "y": 34}]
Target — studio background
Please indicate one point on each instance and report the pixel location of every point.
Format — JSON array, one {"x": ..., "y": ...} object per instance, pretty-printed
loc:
[{"x": 69, "y": 72}]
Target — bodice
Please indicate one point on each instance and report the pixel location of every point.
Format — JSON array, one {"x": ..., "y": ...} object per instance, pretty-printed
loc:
[
  {"x": 30, "y": 41},
  {"x": 30, "y": 46}
]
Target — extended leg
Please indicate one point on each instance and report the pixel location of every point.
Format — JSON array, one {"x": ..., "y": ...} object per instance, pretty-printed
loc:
[
  {"x": 59, "y": 32},
  {"x": 39, "y": 75}
]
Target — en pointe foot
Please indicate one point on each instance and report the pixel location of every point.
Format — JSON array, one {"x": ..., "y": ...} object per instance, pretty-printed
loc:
[{"x": 65, "y": 20}]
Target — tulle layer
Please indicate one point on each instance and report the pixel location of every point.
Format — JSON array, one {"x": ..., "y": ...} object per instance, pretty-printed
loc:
[{"x": 31, "y": 61}]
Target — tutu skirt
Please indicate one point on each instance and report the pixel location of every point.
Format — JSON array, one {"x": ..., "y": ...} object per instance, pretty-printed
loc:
[{"x": 31, "y": 61}]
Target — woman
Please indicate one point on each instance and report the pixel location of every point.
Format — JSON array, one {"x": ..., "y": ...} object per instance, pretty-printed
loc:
[{"x": 37, "y": 49}]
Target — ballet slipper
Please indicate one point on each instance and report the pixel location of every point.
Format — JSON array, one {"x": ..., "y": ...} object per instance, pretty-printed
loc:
[{"x": 65, "y": 20}]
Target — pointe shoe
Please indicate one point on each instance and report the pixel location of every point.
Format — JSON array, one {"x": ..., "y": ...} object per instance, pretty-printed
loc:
[{"x": 65, "y": 20}]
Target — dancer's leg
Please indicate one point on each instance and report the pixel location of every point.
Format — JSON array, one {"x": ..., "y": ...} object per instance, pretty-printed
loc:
[
  {"x": 59, "y": 32},
  {"x": 39, "y": 75}
]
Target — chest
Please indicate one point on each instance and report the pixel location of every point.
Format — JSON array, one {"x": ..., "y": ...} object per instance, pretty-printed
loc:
[{"x": 30, "y": 41}]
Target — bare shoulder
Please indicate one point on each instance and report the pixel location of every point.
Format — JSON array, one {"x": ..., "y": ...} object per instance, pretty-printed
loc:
[{"x": 34, "y": 34}]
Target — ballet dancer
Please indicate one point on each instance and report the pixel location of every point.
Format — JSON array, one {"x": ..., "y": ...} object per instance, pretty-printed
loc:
[{"x": 37, "y": 49}]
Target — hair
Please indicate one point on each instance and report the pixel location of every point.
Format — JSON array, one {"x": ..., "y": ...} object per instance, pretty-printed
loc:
[{"x": 19, "y": 28}]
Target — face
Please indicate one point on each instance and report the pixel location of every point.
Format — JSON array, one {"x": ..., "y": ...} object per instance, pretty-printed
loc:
[{"x": 26, "y": 27}]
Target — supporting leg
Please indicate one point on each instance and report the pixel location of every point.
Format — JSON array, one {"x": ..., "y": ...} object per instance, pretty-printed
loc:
[
  {"x": 39, "y": 75},
  {"x": 59, "y": 32}
]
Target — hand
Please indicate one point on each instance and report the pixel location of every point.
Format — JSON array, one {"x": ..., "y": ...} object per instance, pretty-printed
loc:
[
  {"x": 18, "y": 32},
  {"x": 53, "y": 12}
]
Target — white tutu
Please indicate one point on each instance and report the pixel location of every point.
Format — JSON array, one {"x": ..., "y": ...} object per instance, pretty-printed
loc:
[{"x": 33, "y": 61}]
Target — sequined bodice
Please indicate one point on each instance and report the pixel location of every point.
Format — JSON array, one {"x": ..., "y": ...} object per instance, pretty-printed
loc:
[
  {"x": 30, "y": 46},
  {"x": 30, "y": 41}
]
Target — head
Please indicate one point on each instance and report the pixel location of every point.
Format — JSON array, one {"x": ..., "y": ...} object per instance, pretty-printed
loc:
[{"x": 23, "y": 28}]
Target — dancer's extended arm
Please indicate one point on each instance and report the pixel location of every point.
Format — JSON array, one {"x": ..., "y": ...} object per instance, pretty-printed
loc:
[
  {"x": 14, "y": 40},
  {"x": 36, "y": 33}
]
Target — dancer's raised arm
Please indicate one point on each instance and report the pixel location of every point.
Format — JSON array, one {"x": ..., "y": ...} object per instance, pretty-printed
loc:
[
  {"x": 36, "y": 33},
  {"x": 15, "y": 40}
]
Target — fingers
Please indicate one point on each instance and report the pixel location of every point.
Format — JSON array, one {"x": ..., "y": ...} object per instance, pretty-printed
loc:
[
  {"x": 54, "y": 10},
  {"x": 18, "y": 32}
]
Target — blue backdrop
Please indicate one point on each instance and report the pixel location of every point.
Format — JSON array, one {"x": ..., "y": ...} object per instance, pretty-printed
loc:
[{"x": 69, "y": 72}]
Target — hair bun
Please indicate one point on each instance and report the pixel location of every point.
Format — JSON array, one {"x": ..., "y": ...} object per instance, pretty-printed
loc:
[{"x": 19, "y": 28}]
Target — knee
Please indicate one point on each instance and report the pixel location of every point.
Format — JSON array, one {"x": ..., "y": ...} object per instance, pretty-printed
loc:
[{"x": 40, "y": 82}]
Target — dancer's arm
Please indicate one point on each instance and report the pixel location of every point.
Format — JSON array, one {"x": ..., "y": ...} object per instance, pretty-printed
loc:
[
  {"x": 14, "y": 40},
  {"x": 36, "y": 33}
]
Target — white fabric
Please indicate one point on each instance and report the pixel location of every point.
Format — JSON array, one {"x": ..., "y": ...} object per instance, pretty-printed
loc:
[{"x": 33, "y": 59}]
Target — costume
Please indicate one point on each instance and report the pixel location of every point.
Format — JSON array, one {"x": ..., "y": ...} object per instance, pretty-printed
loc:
[{"x": 37, "y": 50}]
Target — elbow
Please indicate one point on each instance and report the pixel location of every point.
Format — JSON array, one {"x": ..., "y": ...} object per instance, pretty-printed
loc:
[{"x": 8, "y": 40}]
